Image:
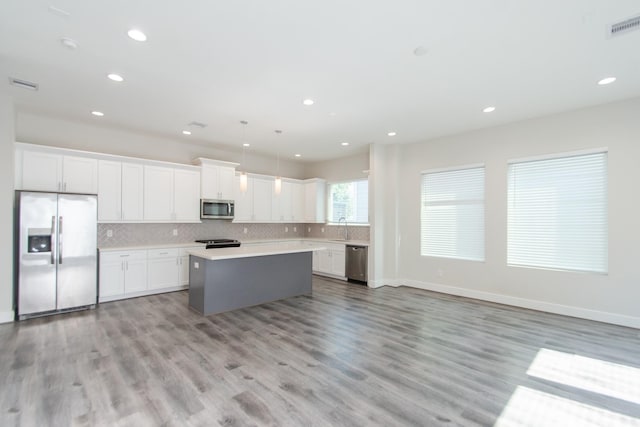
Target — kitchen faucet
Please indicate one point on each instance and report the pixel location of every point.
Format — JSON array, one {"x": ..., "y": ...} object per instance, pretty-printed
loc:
[{"x": 346, "y": 228}]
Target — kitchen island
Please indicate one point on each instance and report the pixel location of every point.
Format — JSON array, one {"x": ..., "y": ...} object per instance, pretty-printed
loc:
[{"x": 226, "y": 279}]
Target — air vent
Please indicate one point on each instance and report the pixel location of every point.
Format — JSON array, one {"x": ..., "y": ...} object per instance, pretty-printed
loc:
[
  {"x": 624, "y": 27},
  {"x": 198, "y": 125},
  {"x": 23, "y": 84}
]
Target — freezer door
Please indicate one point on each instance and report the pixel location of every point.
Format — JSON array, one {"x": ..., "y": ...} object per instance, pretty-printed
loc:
[
  {"x": 35, "y": 249},
  {"x": 76, "y": 255}
]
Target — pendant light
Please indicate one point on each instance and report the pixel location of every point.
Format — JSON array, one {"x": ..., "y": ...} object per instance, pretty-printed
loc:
[
  {"x": 278, "y": 182},
  {"x": 243, "y": 172}
]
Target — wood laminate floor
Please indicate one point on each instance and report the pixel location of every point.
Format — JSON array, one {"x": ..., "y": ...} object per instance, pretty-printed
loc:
[{"x": 346, "y": 355}]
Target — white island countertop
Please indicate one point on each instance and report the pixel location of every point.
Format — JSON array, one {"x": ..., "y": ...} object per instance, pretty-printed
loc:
[{"x": 251, "y": 251}]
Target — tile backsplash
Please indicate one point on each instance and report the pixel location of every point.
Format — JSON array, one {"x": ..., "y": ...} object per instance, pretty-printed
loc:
[{"x": 152, "y": 234}]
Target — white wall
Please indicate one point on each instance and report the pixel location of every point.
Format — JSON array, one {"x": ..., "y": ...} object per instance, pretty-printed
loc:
[
  {"x": 45, "y": 130},
  {"x": 341, "y": 169},
  {"x": 613, "y": 297},
  {"x": 7, "y": 121}
]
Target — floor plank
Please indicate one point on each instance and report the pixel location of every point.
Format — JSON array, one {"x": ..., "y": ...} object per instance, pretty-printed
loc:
[{"x": 346, "y": 355}]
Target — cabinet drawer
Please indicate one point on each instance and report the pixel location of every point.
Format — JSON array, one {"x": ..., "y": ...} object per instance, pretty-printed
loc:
[
  {"x": 122, "y": 256},
  {"x": 164, "y": 253}
]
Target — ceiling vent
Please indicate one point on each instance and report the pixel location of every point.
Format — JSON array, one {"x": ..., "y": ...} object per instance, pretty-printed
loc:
[
  {"x": 624, "y": 27},
  {"x": 23, "y": 84},
  {"x": 198, "y": 125}
]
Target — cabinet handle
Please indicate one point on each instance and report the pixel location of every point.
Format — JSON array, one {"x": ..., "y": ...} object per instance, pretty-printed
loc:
[
  {"x": 64, "y": 188},
  {"x": 164, "y": 253},
  {"x": 122, "y": 266},
  {"x": 127, "y": 262}
]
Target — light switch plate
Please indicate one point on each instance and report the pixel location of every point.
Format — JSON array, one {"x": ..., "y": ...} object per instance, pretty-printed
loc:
[
  {"x": 109, "y": 233},
  {"x": 175, "y": 231}
]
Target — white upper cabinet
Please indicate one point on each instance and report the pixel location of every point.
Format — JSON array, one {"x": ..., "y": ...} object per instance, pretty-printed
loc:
[
  {"x": 46, "y": 171},
  {"x": 171, "y": 194},
  {"x": 262, "y": 190},
  {"x": 297, "y": 202},
  {"x": 158, "y": 193},
  {"x": 281, "y": 207},
  {"x": 80, "y": 175},
  {"x": 217, "y": 179},
  {"x": 119, "y": 191},
  {"x": 132, "y": 192},
  {"x": 186, "y": 202},
  {"x": 109, "y": 191},
  {"x": 314, "y": 200},
  {"x": 243, "y": 201}
]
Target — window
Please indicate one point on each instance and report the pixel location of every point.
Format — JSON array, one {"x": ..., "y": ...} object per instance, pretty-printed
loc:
[
  {"x": 452, "y": 217},
  {"x": 557, "y": 215},
  {"x": 349, "y": 200}
]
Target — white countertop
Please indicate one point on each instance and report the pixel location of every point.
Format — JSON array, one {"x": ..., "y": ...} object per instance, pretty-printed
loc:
[
  {"x": 156, "y": 246},
  {"x": 251, "y": 251}
]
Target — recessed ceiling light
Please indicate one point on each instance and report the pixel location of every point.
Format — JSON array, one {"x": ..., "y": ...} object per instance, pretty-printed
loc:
[
  {"x": 246, "y": 144},
  {"x": 69, "y": 43},
  {"x": 344, "y": 144},
  {"x": 308, "y": 102},
  {"x": 391, "y": 133},
  {"x": 298, "y": 155},
  {"x": 97, "y": 113},
  {"x": 137, "y": 35},
  {"x": 186, "y": 132},
  {"x": 115, "y": 77},
  {"x": 489, "y": 109},
  {"x": 606, "y": 81},
  {"x": 420, "y": 51}
]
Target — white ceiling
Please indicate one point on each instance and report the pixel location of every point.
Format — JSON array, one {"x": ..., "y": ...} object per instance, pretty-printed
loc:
[{"x": 219, "y": 62}]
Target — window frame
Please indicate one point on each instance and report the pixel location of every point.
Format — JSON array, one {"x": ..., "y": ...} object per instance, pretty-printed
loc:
[
  {"x": 553, "y": 156},
  {"x": 329, "y": 204},
  {"x": 423, "y": 173}
]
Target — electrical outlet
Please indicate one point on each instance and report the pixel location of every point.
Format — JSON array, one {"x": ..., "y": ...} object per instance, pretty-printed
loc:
[
  {"x": 286, "y": 229},
  {"x": 440, "y": 272},
  {"x": 308, "y": 229},
  {"x": 295, "y": 229},
  {"x": 109, "y": 233},
  {"x": 196, "y": 265},
  {"x": 322, "y": 230},
  {"x": 245, "y": 230},
  {"x": 175, "y": 231}
]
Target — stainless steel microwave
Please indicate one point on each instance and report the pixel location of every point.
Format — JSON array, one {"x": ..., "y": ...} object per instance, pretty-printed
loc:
[{"x": 216, "y": 209}]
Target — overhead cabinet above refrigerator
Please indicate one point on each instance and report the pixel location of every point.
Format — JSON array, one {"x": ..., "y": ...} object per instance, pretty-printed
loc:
[{"x": 55, "y": 252}]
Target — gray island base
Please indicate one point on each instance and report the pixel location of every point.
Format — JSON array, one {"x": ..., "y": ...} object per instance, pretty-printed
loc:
[{"x": 219, "y": 285}]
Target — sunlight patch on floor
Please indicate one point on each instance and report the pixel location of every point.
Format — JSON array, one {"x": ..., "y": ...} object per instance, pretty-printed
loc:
[
  {"x": 598, "y": 376},
  {"x": 528, "y": 407}
]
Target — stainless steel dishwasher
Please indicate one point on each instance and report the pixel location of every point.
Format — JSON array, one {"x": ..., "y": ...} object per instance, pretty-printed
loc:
[{"x": 356, "y": 263}]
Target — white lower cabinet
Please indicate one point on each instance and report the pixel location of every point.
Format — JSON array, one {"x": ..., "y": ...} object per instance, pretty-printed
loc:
[
  {"x": 126, "y": 274},
  {"x": 122, "y": 273},
  {"x": 330, "y": 261}
]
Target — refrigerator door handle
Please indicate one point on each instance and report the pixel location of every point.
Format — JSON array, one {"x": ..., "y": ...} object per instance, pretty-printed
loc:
[
  {"x": 59, "y": 240},
  {"x": 53, "y": 239}
]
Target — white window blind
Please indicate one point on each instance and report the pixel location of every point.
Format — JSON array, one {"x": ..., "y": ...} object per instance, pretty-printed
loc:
[
  {"x": 349, "y": 200},
  {"x": 557, "y": 214},
  {"x": 452, "y": 217}
]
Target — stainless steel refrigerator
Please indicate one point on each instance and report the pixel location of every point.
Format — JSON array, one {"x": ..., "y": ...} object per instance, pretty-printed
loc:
[{"x": 55, "y": 252}]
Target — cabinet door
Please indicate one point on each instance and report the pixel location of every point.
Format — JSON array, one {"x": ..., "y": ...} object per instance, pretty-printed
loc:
[
  {"x": 41, "y": 171},
  {"x": 111, "y": 277},
  {"x": 158, "y": 193},
  {"x": 297, "y": 202},
  {"x": 184, "y": 269},
  {"x": 324, "y": 261},
  {"x": 226, "y": 181},
  {"x": 210, "y": 182},
  {"x": 163, "y": 272},
  {"x": 135, "y": 279},
  {"x": 132, "y": 192},
  {"x": 281, "y": 204},
  {"x": 186, "y": 195},
  {"x": 109, "y": 191},
  {"x": 261, "y": 200},
  {"x": 80, "y": 175},
  {"x": 243, "y": 201},
  {"x": 337, "y": 262}
]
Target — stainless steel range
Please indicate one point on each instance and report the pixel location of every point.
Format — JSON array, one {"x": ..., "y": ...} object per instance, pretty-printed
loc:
[{"x": 220, "y": 243}]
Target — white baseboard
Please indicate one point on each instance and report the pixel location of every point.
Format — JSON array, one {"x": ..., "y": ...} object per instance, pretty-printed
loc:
[
  {"x": 7, "y": 316},
  {"x": 549, "y": 307}
]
